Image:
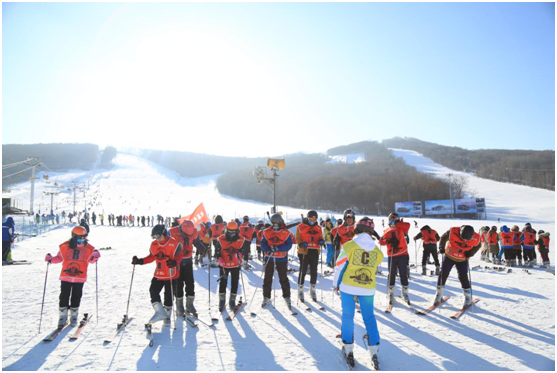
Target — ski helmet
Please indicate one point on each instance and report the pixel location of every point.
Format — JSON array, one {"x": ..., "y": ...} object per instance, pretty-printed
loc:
[
  {"x": 366, "y": 225},
  {"x": 157, "y": 231},
  {"x": 79, "y": 232},
  {"x": 349, "y": 214},
  {"x": 466, "y": 232},
  {"x": 218, "y": 219},
  {"x": 339, "y": 222},
  {"x": 494, "y": 228},
  {"x": 232, "y": 230},
  {"x": 528, "y": 226},
  {"x": 246, "y": 218},
  {"x": 312, "y": 217},
  {"x": 541, "y": 231},
  {"x": 187, "y": 227},
  {"x": 260, "y": 222},
  {"x": 277, "y": 222}
]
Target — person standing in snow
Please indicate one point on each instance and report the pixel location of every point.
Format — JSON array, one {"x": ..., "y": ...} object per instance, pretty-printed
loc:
[
  {"x": 543, "y": 247},
  {"x": 493, "y": 242},
  {"x": 168, "y": 253},
  {"x": 355, "y": 279},
  {"x": 258, "y": 229},
  {"x": 230, "y": 259},
  {"x": 75, "y": 255},
  {"x": 309, "y": 238},
  {"x": 84, "y": 224},
  {"x": 276, "y": 241},
  {"x": 430, "y": 238},
  {"x": 395, "y": 238},
  {"x": 8, "y": 238},
  {"x": 248, "y": 232},
  {"x": 506, "y": 242},
  {"x": 528, "y": 239},
  {"x": 186, "y": 235},
  {"x": 458, "y": 244},
  {"x": 344, "y": 231},
  {"x": 217, "y": 229},
  {"x": 327, "y": 233},
  {"x": 517, "y": 244}
]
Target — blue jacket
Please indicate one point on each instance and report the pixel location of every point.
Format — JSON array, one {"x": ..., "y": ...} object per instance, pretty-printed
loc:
[{"x": 8, "y": 230}]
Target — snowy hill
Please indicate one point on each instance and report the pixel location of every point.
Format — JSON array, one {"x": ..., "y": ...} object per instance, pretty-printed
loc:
[
  {"x": 512, "y": 327},
  {"x": 347, "y": 158}
]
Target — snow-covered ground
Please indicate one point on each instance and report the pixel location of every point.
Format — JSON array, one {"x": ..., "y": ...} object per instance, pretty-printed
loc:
[
  {"x": 347, "y": 158},
  {"x": 511, "y": 328}
]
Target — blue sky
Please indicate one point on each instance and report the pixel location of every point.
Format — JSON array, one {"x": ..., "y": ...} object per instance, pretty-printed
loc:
[{"x": 266, "y": 79}]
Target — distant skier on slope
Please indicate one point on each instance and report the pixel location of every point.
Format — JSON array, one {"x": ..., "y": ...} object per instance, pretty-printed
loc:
[
  {"x": 75, "y": 255},
  {"x": 395, "y": 238},
  {"x": 355, "y": 278},
  {"x": 430, "y": 238},
  {"x": 458, "y": 244},
  {"x": 167, "y": 252},
  {"x": 309, "y": 238},
  {"x": 543, "y": 247},
  {"x": 276, "y": 241},
  {"x": 517, "y": 244},
  {"x": 506, "y": 242},
  {"x": 8, "y": 238},
  {"x": 528, "y": 239},
  {"x": 258, "y": 229},
  {"x": 230, "y": 259}
]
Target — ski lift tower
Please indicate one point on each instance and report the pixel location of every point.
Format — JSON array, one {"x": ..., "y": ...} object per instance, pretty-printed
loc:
[
  {"x": 52, "y": 191},
  {"x": 261, "y": 175}
]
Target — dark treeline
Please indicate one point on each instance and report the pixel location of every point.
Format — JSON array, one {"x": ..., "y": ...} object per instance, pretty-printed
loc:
[
  {"x": 107, "y": 156},
  {"x": 527, "y": 167},
  {"x": 56, "y": 157},
  {"x": 370, "y": 187}
]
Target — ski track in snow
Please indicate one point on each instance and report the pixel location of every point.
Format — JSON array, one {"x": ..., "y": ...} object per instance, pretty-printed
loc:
[{"x": 511, "y": 328}]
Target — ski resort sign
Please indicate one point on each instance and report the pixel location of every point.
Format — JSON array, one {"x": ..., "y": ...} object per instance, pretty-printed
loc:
[
  {"x": 440, "y": 207},
  {"x": 413, "y": 208}
]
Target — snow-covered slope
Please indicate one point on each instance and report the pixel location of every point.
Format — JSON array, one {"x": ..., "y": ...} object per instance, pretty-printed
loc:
[
  {"x": 347, "y": 158},
  {"x": 512, "y": 327}
]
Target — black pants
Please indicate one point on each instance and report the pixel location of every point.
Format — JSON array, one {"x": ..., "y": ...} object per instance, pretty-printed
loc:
[
  {"x": 283, "y": 278},
  {"x": 246, "y": 250},
  {"x": 461, "y": 268},
  {"x": 399, "y": 263},
  {"x": 186, "y": 279},
  {"x": 155, "y": 291},
  {"x": 518, "y": 252},
  {"x": 430, "y": 249},
  {"x": 529, "y": 254},
  {"x": 311, "y": 260},
  {"x": 235, "y": 274},
  {"x": 70, "y": 294},
  {"x": 6, "y": 247},
  {"x": 216, "y": 251},
  {"x": 509, "y": 254}
]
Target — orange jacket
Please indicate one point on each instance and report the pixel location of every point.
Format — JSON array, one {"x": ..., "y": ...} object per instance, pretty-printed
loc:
[
  {"x": 345, "y": 232},
  {"x": 311, "y": 234},
  {"x": 457, "y": 247},
  {"x": 217, "y": 230},
  {"x": 75, "y": 262},
  {"x": 161, "y": 253},
  {"x": 492, "y": 238},
  {"x": 246, "y": 231},
  {"x": 186, "y": 241},
  {"x": 390, "y": 237},
  {"x": 231, "y": 252},
  {"x": 276, "y": 238},
  {"x": 529, "y": 239},
  {"x": 507, "y": 239},
  {"x": 429, "y": 235}
]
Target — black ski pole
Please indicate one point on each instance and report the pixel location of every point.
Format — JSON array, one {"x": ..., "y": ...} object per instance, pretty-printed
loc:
[{"x": 44, "y": 292}]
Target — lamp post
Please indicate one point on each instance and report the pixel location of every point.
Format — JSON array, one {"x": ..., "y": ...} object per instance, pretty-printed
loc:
[{"x": 261, "y": 175}]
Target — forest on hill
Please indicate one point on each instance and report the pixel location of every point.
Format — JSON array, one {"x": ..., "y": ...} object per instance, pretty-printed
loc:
[
  {"x": 52, "y": 157},
  {"x": 527, "y": 167}
]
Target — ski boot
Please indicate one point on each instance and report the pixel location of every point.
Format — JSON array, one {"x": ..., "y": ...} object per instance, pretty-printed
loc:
[
  {"x": 222, "y": 301},
  {"x": 180, "y": 307},
  {"x": 437, "y": 270},
  {"x": 288, "y": 302},
  {"x": 424, "y": 270},
  {"x": 160, "y": 314},
  {"x": 266, "y": 301},
  {"x": 467, "y": 297},
  {"x": 520, "y": 262},
  {"x": 63, "y": 316},
  {"x": 301, "y": 293},
  {"x": 439, "y": 294},
  {"x": 232, "y": 301},
  {"x": 196, "y": 261},
  {"x": 74, "y": 312},
  {"x": 405, "y": 294},
  {"x": 189, "y": 305},
  {"x": 391, "y": 294},
  {"x": 373, "y": 350},
  {"x": 313, "y": 292},
  {"x": 168, "y": 312},
  {"x": 348, "y": 351}
]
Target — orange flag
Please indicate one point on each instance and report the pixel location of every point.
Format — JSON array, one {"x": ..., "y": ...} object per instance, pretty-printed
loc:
[{"x": 197, "y": 216}]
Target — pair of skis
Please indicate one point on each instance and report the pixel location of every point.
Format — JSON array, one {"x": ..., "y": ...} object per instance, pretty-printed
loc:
[
  {"x": 349, "y": 358},
  {"x": 319, "y": 305},
  {"x": 293, "y": 312},
  {"x": 456, "y": 315},
  {"x": 58, "y": 330},
  {"x": 119, "y": 328}
]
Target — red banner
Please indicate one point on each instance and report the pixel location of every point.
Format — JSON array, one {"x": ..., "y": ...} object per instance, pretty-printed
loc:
[{"x": 197, "y": 216}]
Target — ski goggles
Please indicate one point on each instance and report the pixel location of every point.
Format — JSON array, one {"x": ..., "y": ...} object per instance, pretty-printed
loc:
[{"x": 156, "y": 236}]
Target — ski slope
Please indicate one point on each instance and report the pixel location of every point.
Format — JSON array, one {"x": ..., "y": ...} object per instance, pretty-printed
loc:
[{"x": 511, "y": 328}]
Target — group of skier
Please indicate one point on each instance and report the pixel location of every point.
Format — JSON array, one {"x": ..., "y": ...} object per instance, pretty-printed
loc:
[{"x": 356, "y": 262}]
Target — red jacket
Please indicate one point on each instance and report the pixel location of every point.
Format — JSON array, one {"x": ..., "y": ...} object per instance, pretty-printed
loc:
[
  {"x": 161, "y": 253},
  {"x": 231, "y": 252},
  {"x": 75, "y": 261}
]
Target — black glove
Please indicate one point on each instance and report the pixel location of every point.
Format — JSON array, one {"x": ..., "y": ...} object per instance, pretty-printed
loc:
[
  {"x": 171, "y": 263},
  {"x": 337, "y": 240},
  {"x": 303, "y": 245},
  {"x": 468, "y": 254},
  {"x": 441, "y": 250},
  {"x": 136, "y": 260}
]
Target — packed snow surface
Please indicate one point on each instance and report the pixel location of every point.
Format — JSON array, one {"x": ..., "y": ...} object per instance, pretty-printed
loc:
[
  {"x": 511, "y": 328},
  {"x": 347, "y": 158}
]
